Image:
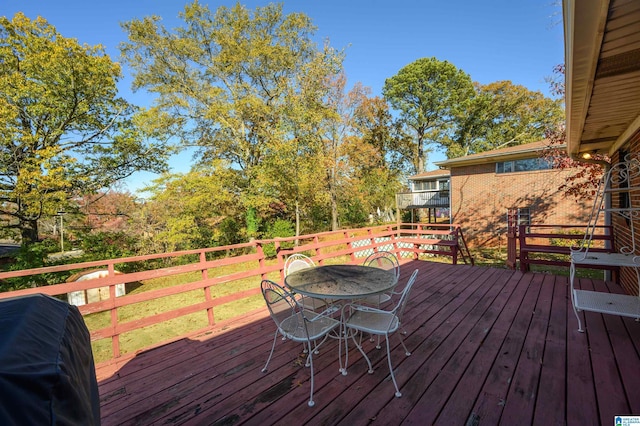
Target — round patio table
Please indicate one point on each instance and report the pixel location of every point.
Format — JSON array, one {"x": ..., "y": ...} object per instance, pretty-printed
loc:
[{"x": 341, "y": 281}]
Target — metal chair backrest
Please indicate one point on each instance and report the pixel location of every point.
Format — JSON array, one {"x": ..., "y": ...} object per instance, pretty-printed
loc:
[
  {"x": 404, "y": 297},
  {"x": 296, "y": 262},
  {"x": 282, "y": 306},
  {"x": 384, "y": 260}
]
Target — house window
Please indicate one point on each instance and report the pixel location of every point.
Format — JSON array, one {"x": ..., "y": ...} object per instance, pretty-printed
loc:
[
  {"x": 526, "y": 165},
  {"x": 524, "y": 216},
  {"x": 424, "y": 185},
  {"x": 518, "y": 216}
]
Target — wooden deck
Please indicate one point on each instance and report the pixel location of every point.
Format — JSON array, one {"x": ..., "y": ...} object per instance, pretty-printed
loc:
[{"x": 489, "y": 346}]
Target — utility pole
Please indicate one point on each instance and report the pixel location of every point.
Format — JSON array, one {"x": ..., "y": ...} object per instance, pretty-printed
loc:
[{"x": 61, "y": 214}]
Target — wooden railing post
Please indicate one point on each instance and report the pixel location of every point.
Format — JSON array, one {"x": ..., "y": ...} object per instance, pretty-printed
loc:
[
  {"x": 207, "y": 289},
  {"x": 352, "y": 253},
  {"x": 524, "y": 255},
  {"x": 115, "y": 339},
  {"x": 261, "y": 258},
  {"x": 512, "y": 238}
]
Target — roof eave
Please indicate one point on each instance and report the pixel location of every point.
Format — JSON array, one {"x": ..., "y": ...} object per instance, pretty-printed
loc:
[
  {"x": 584, "y": 25},
  {"x": 491, "y": 158}
]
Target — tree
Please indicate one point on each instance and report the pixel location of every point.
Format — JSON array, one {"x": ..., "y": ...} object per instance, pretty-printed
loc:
[
  {"x": 583, "y": 183},
  {"x": 225, "y": 82},
  {"x": 429, "y": 94},
  {"x": 64, "y": 131},
  {"x": 379, "y": 154},
  {"x": 501, "y": 114},
  {"x": 184, "y": 209}
]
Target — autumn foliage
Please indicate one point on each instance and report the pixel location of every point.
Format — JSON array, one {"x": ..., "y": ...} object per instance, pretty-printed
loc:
[{"x": 583, "y": 183}]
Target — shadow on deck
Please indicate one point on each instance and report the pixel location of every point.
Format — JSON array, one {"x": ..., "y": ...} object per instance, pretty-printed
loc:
[{"x": 488, "y": 346}]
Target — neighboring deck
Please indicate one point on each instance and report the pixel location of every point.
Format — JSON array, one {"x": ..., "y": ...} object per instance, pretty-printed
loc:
[{"x": 489, "y": 346}]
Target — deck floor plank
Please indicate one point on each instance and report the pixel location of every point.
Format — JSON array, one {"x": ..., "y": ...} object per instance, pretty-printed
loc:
[
  {"x": 523, "y": 386},
  {"x": 488, "y": 346},
  {"x": 609, "y": 388},
  {"x": 458, "y": 409},
  {"x": 550, "y": 408},
  {"x": 582, "y": 408},
  {"x": 434, "y": 350},
  {"x": 466, "y": 338},
  {"x": 493, "y": 397}
]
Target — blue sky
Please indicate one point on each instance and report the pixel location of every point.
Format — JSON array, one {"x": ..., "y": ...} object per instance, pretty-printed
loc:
[{"x": 490, "y": 40}]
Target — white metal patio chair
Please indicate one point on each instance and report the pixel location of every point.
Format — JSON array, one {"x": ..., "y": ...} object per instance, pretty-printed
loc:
[
  {"x": 296, "y": 323},
  {"x": 296, "y": 262},
  {"x": 383, "y": 260},
  {"x": 358, "y": 319}
]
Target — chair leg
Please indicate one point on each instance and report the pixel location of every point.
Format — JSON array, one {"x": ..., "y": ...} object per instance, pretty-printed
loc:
[
  {"x": 359, "y": 345},
  {"x": 310, "y": 359},
  {"x": 406, "y": 351},
  {"x": 393, "y": 377},
  {"x": 275, "y": 337}
]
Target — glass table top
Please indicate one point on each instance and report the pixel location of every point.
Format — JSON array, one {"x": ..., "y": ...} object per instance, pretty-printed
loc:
[{"x": 341, "y": 281}]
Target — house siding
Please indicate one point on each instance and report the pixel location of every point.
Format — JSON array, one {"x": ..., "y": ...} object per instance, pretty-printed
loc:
[{"x": 480, "y": 198}]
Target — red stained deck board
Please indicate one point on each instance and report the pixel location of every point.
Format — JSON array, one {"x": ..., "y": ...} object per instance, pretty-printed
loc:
[
  {"x": 467, "y": 338},
  {"x": 609, "y": 388},
  {"x": 449, "y": 332},
  {"x": 458, "y": 407},
  {"x": 488, "y": 408},
  {"x": 471, "y": 330},
  {"x": 581, "y": 399},
  {"x": 550, "y": 403},
  {"x": 523, "y": 387}
]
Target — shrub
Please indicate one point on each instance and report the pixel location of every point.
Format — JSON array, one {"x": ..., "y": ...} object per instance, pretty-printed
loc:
[{"x": 280, "y": 228}]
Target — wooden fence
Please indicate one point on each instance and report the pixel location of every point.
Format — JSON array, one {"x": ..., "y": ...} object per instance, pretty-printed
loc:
[
  {"x": 551, "y": 244},
  {"x": 203, "y": 281}
]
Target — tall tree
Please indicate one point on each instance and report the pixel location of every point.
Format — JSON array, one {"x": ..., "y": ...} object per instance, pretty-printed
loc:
[
  {"x": 223, "y": 82},
  {"x": 64, "y": 131},
  {"x": 429, "y": 94},
  {"x": 501, "y": 114},
  {"x": 379, "y": 154}
]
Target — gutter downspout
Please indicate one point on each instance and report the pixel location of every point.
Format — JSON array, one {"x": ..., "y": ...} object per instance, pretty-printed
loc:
[{"x": 606, "y": 166}]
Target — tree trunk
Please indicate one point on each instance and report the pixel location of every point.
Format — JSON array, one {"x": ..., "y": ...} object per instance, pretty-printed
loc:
[
  {"x": 335, "y": 225},
  {"x": 334, "y": 201},
  {"x": 29, "y": 231}
]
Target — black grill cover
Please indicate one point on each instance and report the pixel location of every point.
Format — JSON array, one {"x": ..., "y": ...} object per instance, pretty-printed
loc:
[{"x": 47, "y": 374}]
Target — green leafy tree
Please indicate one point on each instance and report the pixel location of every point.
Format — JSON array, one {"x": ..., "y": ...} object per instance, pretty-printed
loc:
[
  {"x": 379, "y": 156},
  {"x": 226, "y": 82},
  {"x": 501, "y": 114},
  {"x": 64, "y": 130},
  {"x": 184, "y": 210},
  {"x": 430, "y": 95}
]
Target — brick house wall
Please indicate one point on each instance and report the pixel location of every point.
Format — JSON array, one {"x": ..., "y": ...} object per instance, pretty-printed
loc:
[
  {"x": 480, "y": 198},
  {"x": 621, "y": 228}
]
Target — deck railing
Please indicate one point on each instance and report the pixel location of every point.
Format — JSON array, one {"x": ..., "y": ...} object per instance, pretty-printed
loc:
[
  {"x": 551, "y": 244},
  {"x": 423, "y": 199},
  {"x": 208, "y": 286}
]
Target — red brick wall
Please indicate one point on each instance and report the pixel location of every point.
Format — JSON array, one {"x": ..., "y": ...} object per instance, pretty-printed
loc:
[
  {"x": 622, "y": 229},
  {"x": 480, "y": 199}
]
